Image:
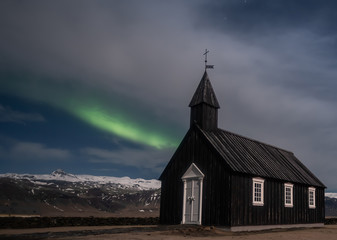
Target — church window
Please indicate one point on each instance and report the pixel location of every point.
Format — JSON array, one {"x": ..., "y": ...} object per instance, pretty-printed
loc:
[
  {"x": 258, "y": 191},
  {"x": 288, "y": 195},
  {"x": 312, "y": 197}
]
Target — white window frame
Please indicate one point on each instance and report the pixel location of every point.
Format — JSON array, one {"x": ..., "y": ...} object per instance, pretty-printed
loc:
[
  {"x": 291, "y": 187},
  {"x": 312, "y": 204},
  {"x": 261, "y": 201}
]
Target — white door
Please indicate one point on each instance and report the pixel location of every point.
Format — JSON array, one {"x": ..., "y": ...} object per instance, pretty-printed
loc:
[
  {"x": 192, "y": 195},
  {"x": 192, "y": 201}
]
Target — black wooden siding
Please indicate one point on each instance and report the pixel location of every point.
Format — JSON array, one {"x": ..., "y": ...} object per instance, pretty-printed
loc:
[
  {"x": 216, "y": 184},
  {"x": 273, "y": 212},
  {"x": 227, "y": 196},
  {"x": 205, "y": 116}
]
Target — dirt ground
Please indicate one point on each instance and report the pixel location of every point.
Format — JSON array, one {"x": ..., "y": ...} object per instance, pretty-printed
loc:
[{"x": 329, "y": 232}]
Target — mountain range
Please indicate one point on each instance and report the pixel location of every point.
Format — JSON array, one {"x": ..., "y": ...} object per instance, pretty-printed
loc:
[{"x": 65, "y": 194}]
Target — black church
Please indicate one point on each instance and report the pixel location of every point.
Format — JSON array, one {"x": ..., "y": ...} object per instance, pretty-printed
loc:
[{"x": 220, "y": 178}]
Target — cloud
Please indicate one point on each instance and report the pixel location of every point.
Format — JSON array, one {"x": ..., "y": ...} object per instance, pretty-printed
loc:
[
  {"x": 9, "y": 115},
  {"x": 275, "y": 67},
  {"x": 32, "y": 152},
  {"x": 153, "y": 159},
  {"x": 283, "y": 92}
]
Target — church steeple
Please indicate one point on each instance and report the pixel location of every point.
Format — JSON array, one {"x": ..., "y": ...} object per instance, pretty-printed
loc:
[{"x": 204, "y": 105}]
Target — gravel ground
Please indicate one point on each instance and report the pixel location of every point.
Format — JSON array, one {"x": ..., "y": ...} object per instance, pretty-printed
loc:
[{"x": 153, "y": 232}]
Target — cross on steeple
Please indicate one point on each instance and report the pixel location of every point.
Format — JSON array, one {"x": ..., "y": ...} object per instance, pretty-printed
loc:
[
  {"x": 207, "y": 66},
  {"x": 205, "y": 54}
]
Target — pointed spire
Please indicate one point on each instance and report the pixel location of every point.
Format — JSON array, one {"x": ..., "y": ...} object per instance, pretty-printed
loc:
[{"x": 204, "y": 93}]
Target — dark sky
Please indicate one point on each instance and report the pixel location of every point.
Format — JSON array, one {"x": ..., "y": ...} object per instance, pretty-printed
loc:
[{"x": 102, "y": 87}]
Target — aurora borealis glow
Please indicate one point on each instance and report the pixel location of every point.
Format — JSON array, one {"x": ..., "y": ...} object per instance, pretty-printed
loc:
[
  {"x": 97, "y": 110},
  {"x": 123, "y": 127}
]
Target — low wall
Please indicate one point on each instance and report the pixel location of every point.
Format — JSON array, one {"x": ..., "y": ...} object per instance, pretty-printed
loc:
[
  {"x": 43, "y": 222},
  {"x": 329, "y": 221}
]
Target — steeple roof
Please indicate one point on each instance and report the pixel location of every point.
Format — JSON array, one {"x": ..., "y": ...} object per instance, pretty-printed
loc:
[{"x": 204, "y": 93}]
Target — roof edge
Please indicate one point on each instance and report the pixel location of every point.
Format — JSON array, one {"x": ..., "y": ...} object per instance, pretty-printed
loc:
[
  {"x": 257, "y": 141},
  {"x": 176, "y": 151}
]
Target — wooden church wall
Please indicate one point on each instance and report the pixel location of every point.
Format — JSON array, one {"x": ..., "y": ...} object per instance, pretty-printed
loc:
[
  {"x": 216, "y": 183},
  {"x": 216, "y": 199},
  {"x": 273, "y": 212},
  {"x": 205, "y": 116},
  {"x": 231, "y": 206}
]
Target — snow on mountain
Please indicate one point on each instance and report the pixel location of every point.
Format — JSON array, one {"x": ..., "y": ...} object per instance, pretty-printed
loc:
[
  {"x": 331, "y": 195},
  {"x": 60, "y": 175}
]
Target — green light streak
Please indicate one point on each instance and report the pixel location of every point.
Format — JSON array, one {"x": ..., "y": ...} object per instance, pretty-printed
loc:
[
  {"x": 94, "y": 110},
  {"x": 122, "y": 127}
]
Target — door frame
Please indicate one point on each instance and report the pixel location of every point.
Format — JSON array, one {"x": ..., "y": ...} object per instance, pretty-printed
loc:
[{"x": 193, "y": 174}]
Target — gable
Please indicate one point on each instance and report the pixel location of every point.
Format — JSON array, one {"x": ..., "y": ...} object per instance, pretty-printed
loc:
[
  {"x": 171, "y": 162},
  {"x": 194, "y": 148},
  {"x": 193, "y": 172}
]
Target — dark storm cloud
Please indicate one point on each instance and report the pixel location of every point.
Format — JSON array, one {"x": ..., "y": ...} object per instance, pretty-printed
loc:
[
  {"x": 275, "y": 64},
  {"x": 246, "y": 17}
]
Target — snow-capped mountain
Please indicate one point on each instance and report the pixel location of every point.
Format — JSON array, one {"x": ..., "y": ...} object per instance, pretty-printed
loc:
[
  {"x": 65, "y": 194},
  {"x": 330, "y": 204},
  {"x": 331, "y": 195},
  {"x": 60, "y": 175}
]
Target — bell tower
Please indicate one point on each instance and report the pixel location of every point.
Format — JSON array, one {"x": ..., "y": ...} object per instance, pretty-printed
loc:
[{"x": 204, "y": 105}]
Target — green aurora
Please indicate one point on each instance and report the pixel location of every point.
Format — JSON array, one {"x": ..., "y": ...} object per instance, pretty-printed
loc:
[
  {"x": 98, "y": 109},
  {"x": 122, "y": 127}
]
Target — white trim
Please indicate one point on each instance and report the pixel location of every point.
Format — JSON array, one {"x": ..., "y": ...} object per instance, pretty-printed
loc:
[
  {"x": 200, "y": 200},
  {"x": 312, "y": 190},
  {"x": 192, "y": 196},
  {"x": 194, "y": 175},
  {"x": 184, "y": 205},
  {"x": 291, "y": 187},
  {"x": 261, "y": 182}
]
